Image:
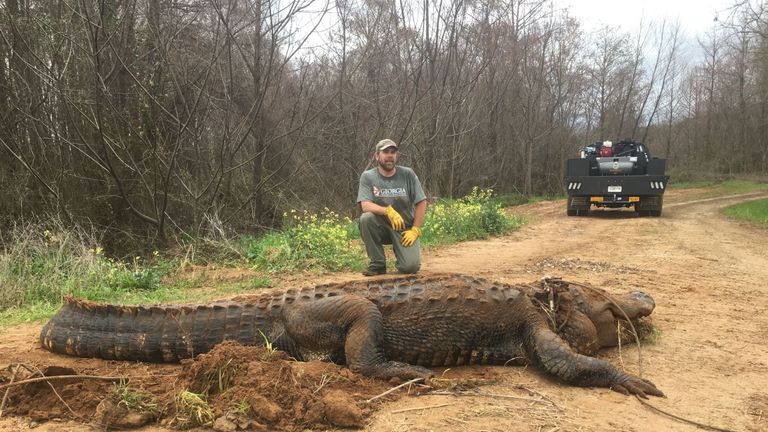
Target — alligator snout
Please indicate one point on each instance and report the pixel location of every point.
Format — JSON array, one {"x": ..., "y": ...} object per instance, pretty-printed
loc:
[{"x": 641, "y": 304}]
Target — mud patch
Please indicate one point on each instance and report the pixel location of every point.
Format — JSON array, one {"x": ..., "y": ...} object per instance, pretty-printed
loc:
[
  {"x": 233, "y": 387},
  {"x": 570, "y": 264}
]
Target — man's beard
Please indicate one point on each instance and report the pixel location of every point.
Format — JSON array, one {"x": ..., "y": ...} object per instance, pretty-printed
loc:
[{"x": 387, "y": 165}]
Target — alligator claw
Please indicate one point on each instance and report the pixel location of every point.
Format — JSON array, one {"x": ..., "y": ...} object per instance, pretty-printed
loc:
[{"x": 637, "y": 386}]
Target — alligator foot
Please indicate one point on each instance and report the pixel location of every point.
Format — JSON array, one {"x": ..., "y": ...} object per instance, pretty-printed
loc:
[{"x": 630, "y": 384}]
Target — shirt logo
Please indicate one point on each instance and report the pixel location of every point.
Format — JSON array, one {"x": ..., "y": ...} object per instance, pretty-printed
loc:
[{"x": 388, "y": 193}]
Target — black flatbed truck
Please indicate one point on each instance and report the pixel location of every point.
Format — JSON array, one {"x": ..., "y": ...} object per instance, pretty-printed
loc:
[{"x": 615, "y": 175}]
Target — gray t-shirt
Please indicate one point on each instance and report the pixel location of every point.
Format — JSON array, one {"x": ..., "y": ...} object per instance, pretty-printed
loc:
[{"x": 401, "y": 191}]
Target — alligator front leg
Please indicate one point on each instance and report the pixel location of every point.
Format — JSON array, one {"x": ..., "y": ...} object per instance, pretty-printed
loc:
[
  {"x": 351, "y": 323},
  {"x": 548, "y": 350}
]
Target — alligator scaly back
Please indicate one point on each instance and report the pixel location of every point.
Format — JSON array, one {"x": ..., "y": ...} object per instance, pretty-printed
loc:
[
  {"x": 170, "y": 333},
  {"x": 151, "y": 333},
  {"x": 380, "y": 327}
]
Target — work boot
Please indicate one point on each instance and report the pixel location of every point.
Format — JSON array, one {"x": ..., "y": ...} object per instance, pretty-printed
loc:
[{"x": 373, "y": 271}]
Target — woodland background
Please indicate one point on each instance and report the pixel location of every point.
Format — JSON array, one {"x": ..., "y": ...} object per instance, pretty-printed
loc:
[{"x": 160, "y": 119}]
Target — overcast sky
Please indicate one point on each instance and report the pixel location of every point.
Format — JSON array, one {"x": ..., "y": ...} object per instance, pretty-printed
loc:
[{"x": 696, "y": 16}]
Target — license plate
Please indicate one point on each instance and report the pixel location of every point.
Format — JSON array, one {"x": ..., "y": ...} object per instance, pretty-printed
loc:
[{"x": 614, "y": 189}]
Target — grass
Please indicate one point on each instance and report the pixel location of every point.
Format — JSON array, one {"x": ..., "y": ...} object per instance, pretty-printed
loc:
[
  {"x": 752, "y": 211},
  {"x": 718, "y": 188},
  {"x": 192, "y": 409},
  {"x": 41, "y": 263},
  {"x": 324, "y": 241},
  {"x": 473, "y": 217},
  {"x": 722, "y": 186},
  {"x": 328, "y": 242},
  {"x": 135, "y": 399},
  {"x": 220, "y": 379}
]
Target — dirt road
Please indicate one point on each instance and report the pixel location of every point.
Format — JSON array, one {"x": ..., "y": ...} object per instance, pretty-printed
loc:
[{"x": 708, "y": 275}]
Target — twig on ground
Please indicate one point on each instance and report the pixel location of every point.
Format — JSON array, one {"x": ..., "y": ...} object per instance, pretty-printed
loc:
[
  {"x": 678, "y": 418},
  {"x": 53, "y": 389},
  {"x": 546, "y": 398},
  {"x": 323, "y": 381},
  {"x": 60, "y": 377},
  {"x": 456, "y": 420},
  {"x": 621, "y": 358},
  {"x": 5, "y": 396},
  {"x": 495, "y": 395},
  {"x": 391, "y": 390},
  {"x": 423, "y": 408}
]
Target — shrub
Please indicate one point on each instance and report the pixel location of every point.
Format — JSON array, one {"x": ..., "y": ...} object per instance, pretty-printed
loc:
[
  {"x": 475, "y": 216},
  {"x": 39, "y": 264},
  {"x": 308, "y": 240}
]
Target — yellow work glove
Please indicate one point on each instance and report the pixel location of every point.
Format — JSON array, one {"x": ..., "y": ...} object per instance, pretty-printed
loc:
[
  {"x": 410, "y": 236},
  {"x": 395, "y": 219}
]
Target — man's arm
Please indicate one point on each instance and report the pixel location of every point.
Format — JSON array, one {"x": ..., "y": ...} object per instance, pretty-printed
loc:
[
  {"x": 418, "y": 214},
  {"x": 371, "y": 207}
]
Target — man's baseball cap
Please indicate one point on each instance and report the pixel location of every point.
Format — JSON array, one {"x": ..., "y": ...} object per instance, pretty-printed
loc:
[{"x": 385, "y": 144}]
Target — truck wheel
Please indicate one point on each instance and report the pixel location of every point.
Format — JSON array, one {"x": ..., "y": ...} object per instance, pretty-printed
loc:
[
  {"x": 577, "y": 206},
  {"x": 650, "y": 206},
  {"x": 570, "y": 208},
  {"x": 657, "y": 211}
]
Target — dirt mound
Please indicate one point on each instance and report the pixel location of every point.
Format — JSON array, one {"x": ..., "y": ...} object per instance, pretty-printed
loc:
[{"x": 233, "y": 387}]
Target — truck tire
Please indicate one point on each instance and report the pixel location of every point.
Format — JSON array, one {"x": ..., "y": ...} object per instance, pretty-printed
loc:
[
  {"x": 656, "y": 212},
  {"x": 577, "y": 207},
  {"x": 650, "y": 206}
]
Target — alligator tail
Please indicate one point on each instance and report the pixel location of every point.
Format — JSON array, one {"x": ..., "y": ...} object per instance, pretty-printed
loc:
[{"x": 151, "y": 333}]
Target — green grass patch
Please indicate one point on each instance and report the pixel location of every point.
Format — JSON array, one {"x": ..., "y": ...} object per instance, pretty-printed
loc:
[
  {"x": 732, "y": 187},
  {"x": 42, "y": 263},
  {"x": 40, "y": 266},
  {"x": 476, "y": 216},
  {"x": 324, "y": 241},
  {"x": 723, "y": 183},
  {"x": 28, "y": 313},
  {"x": 752, "y": 211},
  {"x": 715, "y": 188}
]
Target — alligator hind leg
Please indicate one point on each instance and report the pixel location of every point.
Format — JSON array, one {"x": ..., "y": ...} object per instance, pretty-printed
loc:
[{"x": 351, "y": 323}]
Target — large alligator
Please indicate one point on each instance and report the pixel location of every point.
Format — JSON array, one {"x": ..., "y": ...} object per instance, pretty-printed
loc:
[{"x": 381, "y": 327}]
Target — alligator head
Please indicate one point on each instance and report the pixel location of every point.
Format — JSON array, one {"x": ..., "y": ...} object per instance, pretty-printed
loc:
[{"x": 590, "y": 318}]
